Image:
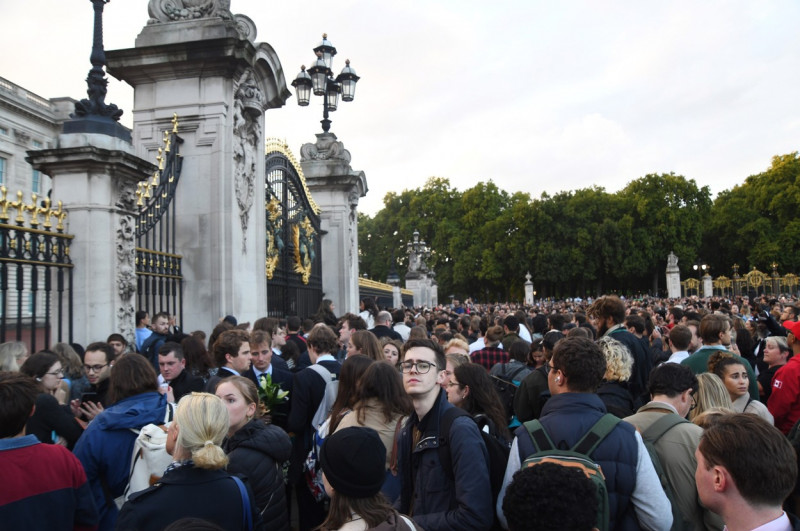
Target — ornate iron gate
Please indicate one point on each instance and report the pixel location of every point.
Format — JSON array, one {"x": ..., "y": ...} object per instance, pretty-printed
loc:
[
  {"x": 158, "y": 268},
  {"x": 31, "y": 260},
  {"x": 293, "y": 261}
]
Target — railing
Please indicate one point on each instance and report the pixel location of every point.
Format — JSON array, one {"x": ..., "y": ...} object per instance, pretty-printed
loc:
[{"x": 32, "y": 259}]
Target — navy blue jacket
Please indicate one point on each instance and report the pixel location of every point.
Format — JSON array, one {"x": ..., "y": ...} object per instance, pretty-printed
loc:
[
  {"x": 106, "y": 446},
  {"x": 566, "y": 418},
  {"x": 428, "y": 495}
]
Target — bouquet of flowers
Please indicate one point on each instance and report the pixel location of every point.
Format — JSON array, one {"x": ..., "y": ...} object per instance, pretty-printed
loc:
[{"x": 270, "y": 394}]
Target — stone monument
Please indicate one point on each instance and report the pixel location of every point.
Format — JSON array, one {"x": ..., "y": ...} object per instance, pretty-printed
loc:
[
  {"x": 673, "y": 277},
  {"x": 95, "y": 173},
  {"x": 528, "y": 289},
  {"x": 419, "y": 279},
  {"x": 336, "y": 188},
  {"x": 197, "y": 59}
]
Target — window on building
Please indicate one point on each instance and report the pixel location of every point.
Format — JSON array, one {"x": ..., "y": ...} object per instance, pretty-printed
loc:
[
  {"x": 3, "y": 130},
  {"x": 36, "y": 182},
  {"x": 2, "y": 170},
  {"x": 37, "y": 144}
]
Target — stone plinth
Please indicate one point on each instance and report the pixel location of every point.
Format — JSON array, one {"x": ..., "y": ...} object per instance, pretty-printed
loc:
[
  {"x": 336, "y": 188},
  {"x": 219, "y": 82},
  {"x": 673, "y": 277},
  {"x": 95, "y": 177},
  {"x": 708, "y": 286}
]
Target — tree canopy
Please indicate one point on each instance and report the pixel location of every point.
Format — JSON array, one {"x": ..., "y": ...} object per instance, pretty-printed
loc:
[{"x": 582, "y": 242}]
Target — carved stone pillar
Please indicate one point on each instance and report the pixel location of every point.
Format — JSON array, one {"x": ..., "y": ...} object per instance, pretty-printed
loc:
[
  {"x": 336, "y": 188},
  {"x": 95, "y": 176},
  {"x": 199, "y": 60}
]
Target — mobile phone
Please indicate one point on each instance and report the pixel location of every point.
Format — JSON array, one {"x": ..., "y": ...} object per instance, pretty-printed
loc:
[{"x": 90, "y": 397}]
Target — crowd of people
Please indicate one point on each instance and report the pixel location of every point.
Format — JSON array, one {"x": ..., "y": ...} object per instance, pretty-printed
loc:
[{"x": 450, "y": 418}]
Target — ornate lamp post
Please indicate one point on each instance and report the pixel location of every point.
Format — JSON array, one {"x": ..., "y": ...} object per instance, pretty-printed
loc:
[
  {"x": 701, "y": 268},
  {"x": 319, "y": 78}
]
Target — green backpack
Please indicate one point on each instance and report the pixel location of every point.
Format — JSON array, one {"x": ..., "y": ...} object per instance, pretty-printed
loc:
[{"x": 577, "y": 457}]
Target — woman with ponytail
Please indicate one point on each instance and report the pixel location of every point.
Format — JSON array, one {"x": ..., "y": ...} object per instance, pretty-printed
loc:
[{"x": 196, "y": 484}]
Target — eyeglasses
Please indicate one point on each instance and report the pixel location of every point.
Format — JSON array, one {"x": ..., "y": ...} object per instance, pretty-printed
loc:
[
  {"x": 451, "y": 384},
  {"x": 94, "y": 368},
  {"x": 422, "y": 367},
  {"x": 694, "y": 403},
  {"x": 59, "y": 372}
]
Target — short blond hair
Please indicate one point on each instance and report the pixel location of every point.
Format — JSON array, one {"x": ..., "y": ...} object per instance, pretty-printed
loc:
[
  {"x": 619, "y": 362},
  {"x": 203, "y": 423}
]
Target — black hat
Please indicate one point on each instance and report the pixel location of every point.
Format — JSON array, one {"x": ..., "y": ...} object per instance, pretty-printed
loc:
[{"x": 354, "y": 461}]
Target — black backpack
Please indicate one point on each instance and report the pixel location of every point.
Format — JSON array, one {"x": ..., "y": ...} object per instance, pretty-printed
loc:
[
  {"x": 497, "y": 448},
  {"x": 507, "y": 389}
]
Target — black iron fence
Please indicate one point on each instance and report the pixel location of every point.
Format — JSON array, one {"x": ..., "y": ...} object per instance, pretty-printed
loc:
[
  {"x": 158, "y": 266},
  {"x": 35, "y": 272},
  {"x": 292, "y": 231}
]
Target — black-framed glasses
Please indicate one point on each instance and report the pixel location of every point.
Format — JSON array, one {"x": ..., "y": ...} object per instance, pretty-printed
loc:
[
  {"x": 94, "y": 368},
  {"x": 422, "y": 367},
  {"x": 452, "y": 383},
  {"x": 694, "y": 403},
  {"x": 59, "y": 373}
]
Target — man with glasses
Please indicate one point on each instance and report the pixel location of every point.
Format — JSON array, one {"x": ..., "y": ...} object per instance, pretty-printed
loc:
[
  {"x": 97, "y": 363},
  {"x": 662, "y": 421},
  {"x": 429, "y": 490}
]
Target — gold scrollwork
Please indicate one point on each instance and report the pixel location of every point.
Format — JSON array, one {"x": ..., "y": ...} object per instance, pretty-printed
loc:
[
  {"x": 37, "y": 213},
  {"x": 276, "y": 145},
  {"x": 303, "y": 238},
  {"x": 274, "y": 241},
  {"x": 756, "y": 277}
]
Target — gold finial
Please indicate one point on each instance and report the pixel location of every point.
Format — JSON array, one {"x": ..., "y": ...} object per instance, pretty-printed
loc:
[
  {"x": 324, "y": 35},
  {"x": 4, "y": 204},
  {"x": 174, "y": 122},
  {"x": 33, "y": 209},
  {"x": 20, "y": 208}
]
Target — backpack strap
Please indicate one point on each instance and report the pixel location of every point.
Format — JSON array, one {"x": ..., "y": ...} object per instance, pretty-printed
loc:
[
  {"x": 322, "y": 371},
  {"x": 596, "y": 434},
  {"x": 662, "y": 426},
  {"x": 541, "y": 440},
  {"x": 445, "y": 423},
  {"x": 247, "y": 514},
  {"x": 513, "y": 374}
]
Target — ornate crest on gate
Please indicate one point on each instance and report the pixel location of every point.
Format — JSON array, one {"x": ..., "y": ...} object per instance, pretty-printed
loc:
[
  {"x": 303, "y": 235},
  {"x": 274, "y": 241}
]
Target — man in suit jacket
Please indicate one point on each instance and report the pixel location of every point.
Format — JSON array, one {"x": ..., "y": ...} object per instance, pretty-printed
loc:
[
  {"x": 232, "y": 356},
  {"x": 383, "y": 327},
  {"x": 265, "y": 363},
  {"x": 173, "y": 365},
  {"x": 308, "y": 389}
]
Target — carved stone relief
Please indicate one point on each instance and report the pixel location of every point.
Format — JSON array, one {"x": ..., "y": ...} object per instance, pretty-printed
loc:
[
  {"x": 247, "y": 108},
  {"x": 173, "y": 10},
  {"x": 326, "y": 148}
]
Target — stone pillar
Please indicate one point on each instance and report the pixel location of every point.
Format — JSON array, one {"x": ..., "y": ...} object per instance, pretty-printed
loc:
[
  {"x": 528, "y": 289},
  {"x": 203, "y": 63},
  {"x": 95, "y": 176},
  {"x": 336, "y": 188},
  {"x": 673, "y": 277},
  {"x": 707, "y": 285}
]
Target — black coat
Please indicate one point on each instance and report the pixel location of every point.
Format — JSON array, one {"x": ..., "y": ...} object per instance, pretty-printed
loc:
[
  {"x": 283, "y": 376},
  {"x": 188, "y": 491},
  {"x": 258, "y": 451},
  {"x": 186, "y": 383},
  {"x": 50, "y": 417}
]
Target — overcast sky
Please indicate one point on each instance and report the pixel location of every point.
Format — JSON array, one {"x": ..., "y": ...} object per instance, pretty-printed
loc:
[{"x": 537, "y": 96}]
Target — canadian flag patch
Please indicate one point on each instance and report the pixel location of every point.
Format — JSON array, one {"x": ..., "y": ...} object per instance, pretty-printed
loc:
[{"x": 777, "y": 384}]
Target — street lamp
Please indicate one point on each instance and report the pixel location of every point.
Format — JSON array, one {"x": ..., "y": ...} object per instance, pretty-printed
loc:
[
  {"x": 319, "y": 79},
  {"x": 700, "y": 268}
]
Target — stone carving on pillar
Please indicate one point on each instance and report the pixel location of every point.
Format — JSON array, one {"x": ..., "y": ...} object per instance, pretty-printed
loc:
[
  {"x": 248, "y": 105},
  {"x": 173, "y": 10},
  {"x": 326, "y": 148},
  {"x": 126, "y": 256},
  {"x": 352, "y": 200}
]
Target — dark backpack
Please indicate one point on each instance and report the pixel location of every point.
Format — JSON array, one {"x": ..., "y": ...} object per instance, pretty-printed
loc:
[
  {"x": 497, "y": 449},
  {"x": 506, "y": 389},
  {"x": 579, "y": 456},
  {"x": 650, "y": 436}
]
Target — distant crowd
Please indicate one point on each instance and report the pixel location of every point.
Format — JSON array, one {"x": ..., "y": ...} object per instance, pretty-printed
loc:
[{"x": 602, "y": 413}]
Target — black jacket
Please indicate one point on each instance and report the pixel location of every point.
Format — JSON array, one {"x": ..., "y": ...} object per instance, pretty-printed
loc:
[
  {"x": 258, "y": 451},
  {"x": 184, "y": 384},
  {"x": 283, "y": 376},
  {"x": 188, "y": 491},
  {"x": 50, "y": 417}
]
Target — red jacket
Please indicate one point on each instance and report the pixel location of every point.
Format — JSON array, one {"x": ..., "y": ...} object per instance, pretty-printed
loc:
[{"x": 784, "y": 402}]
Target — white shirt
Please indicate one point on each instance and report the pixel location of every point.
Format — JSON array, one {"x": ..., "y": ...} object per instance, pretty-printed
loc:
[
  {"x": 259, "y": 373},
  {"x": 678, "y": 356},
  {"x": 781, "y": 523}
]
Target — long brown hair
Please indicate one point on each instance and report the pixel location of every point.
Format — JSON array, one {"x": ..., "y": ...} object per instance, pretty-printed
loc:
[
  {"x": 382, "y": 382},
  {"x": 482, "y": 397},
  {"x": 373, "y": 510},
  {"x": 352, "y": 370}
]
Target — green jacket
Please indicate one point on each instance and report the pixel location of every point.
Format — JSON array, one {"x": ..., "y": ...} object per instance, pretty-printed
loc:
[{"x": 698, "y": 362}]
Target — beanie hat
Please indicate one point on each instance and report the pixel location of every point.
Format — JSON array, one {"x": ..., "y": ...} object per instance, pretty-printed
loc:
[{"x": 354, "y": 461}]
